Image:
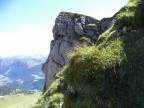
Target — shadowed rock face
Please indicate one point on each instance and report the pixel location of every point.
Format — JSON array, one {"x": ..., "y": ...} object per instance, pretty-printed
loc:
[{"x": 68, "y": 29}]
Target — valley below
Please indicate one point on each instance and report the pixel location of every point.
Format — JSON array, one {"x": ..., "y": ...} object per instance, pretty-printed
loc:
[
  {"x": 20, "y": 74},
  {"x": 19, "y": 101}
]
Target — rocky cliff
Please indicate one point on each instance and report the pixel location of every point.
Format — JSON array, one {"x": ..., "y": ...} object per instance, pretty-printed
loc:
[
  {"x": 108, "y": 74},
  {"x": 68, "y": 30}
]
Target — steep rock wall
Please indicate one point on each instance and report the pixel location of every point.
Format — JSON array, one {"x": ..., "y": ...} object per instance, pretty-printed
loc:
[{"x": 67, "y": 31}]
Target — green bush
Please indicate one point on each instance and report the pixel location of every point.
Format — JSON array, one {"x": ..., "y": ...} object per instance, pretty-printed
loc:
[
  {"x": 132, "y": 15},
  {"x": 112, "y": 73}
]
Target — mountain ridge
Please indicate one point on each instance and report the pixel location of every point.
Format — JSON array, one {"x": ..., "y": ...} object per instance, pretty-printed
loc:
[
  {"x": 70, "y": 30},
  {"x": 108, "y": 73},
  {"x": 21, "y": 72}
]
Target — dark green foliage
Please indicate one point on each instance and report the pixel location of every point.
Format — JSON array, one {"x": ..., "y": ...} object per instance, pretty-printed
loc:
[
  {"x": 111, "y": 74},
  {"x": 131, "y": 15}
]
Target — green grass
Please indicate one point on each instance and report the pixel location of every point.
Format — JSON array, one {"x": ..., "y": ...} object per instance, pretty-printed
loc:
[
  {"x": 87, "y": 40},
  {"x": 131, "y": 15},
  {"x": 54, "y": 96},
  {"x": 110, "y": 74},
  {"x": 90, "y": 25},
  {"x": 19, "y": 101}
]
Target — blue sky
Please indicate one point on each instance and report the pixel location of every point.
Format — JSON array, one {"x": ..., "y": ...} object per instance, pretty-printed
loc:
[{"x": 26, "y": 25}]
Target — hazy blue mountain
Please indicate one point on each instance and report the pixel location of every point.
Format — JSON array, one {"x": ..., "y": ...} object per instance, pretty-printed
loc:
[{"x": 22, "y": 72}]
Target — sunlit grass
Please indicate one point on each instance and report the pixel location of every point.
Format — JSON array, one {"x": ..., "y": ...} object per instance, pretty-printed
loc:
[
  {"x": 110, "y": 74},
  {"x": 19, "y": 101}
]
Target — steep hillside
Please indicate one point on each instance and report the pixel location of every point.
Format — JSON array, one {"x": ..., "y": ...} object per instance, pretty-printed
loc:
[
  {"x": 21, "y": 72},
  {"x": 70, "y": 30},
  {"x": 108, "y": 74}
]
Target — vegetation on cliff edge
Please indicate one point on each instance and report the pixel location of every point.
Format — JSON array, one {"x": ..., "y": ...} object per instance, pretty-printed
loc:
[{"x": 109, "y": 74}]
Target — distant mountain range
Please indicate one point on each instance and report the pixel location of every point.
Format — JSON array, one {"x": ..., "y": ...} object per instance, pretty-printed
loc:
[{"x": 22, "y": 72}]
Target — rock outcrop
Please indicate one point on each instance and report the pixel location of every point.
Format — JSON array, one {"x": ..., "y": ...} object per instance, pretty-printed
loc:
[{"x": 67, "y": 31}]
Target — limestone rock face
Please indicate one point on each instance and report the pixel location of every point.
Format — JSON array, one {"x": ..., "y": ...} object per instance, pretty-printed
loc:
[{"x": 67, "y": 31}]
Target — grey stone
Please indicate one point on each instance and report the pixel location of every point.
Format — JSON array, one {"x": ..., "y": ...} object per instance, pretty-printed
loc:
[
  {"x": 89, "y": 33},
  {"x": 78, "y": 29},
  {"x": 66, "y": 31},
  {"x": 82, "y": 18},
  {"x": 49, "y": 107},
  {"x": 125, "y": 30}
]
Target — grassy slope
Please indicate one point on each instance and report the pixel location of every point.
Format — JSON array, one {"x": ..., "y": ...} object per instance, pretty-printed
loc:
[
  {"x": 19, "y": 101},
  {"x": 110, "y": 74}
]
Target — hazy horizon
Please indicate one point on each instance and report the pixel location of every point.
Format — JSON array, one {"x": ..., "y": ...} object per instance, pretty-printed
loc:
[{"x": 26, "y": 25}]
